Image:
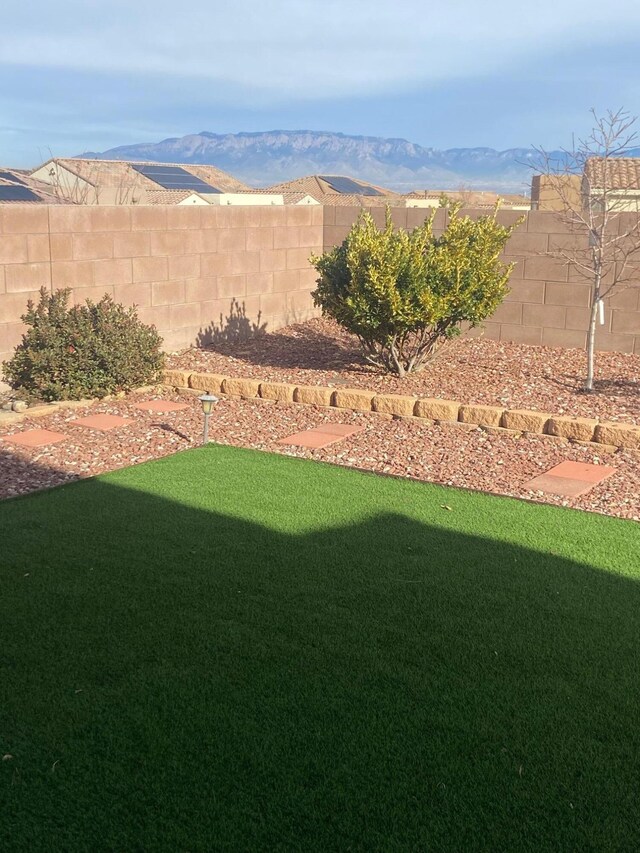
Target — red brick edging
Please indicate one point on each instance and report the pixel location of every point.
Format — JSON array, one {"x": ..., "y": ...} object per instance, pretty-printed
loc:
[{"x": 558, "y": 427}]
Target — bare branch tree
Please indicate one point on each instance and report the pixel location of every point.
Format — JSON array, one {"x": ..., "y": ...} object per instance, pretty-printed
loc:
[{"x": 597, "y": 199}]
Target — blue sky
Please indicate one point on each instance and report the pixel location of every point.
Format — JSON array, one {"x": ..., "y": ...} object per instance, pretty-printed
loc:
[{"x": 77, "y": 75}]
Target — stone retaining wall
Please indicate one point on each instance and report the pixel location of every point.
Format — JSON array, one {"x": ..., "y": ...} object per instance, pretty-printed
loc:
[{"x": 514, "y": 421}]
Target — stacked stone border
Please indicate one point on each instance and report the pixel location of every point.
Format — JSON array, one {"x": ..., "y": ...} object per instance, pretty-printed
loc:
[{"x": 607, "y": 435}]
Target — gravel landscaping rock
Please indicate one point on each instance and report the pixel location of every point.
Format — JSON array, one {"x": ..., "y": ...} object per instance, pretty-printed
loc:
[
  {"x": 452, "y": 454},
  {"x": 471, "y": 371}
]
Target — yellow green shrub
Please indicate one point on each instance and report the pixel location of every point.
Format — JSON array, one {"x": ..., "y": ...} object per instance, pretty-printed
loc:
[{"x": 403, "y": 294}]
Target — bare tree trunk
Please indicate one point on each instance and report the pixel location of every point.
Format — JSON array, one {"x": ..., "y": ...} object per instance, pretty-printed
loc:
[
  {"x": 591, "y": 334},
  {"x": 591, "y": 343}
]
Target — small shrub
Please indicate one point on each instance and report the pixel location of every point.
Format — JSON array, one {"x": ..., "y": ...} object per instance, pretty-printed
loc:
[
  {"x": 404, "y": 294},
  {"x": 87, "y": 350}
]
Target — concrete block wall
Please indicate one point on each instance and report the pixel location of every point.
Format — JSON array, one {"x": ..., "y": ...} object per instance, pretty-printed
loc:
[
  {"x": 549, "y": 302},
  {"x": 183, "y": 266}
]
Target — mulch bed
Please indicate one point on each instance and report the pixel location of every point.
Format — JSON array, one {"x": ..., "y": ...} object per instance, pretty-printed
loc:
[
  {"x": 449, "y": 455},
  {"x": 469, "y": 370}
]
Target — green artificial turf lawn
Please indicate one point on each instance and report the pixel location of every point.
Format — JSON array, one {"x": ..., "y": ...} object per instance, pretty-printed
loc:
[{"x": 228, "y": 650}]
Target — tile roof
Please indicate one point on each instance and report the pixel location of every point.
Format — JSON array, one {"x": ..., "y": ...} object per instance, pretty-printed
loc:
[
  {"x": 471, "y": 198},
  {"x": 318, "y": 188},
  {"x": 167, "y": 196},
  {"x": 293, "y": 197},
  {"x": 515, "y": 198},
  {"x": 176, "y": 196},
  {"x": 216, "y": 177},
  {"x": 288, "y": 197},
  {"x": 21, "y": 178},
  {"x": 349, "y": 200},
  {"x": 119, "y": 174},
  {"x": 621, "y": 173}
]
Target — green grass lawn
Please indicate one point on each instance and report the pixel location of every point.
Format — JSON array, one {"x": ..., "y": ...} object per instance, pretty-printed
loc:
[{"x": 227, "y": 650}]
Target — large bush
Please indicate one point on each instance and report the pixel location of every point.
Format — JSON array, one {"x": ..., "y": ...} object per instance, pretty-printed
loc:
[
  {"x": 404, "y": 294},
  {"x": 87, "y": 350}
]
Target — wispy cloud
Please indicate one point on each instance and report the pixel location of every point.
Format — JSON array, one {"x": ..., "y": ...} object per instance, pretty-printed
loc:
[{"x": 303, "y": 48}]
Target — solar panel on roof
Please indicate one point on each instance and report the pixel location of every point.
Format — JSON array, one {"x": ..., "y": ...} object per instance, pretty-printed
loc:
[
  {"x": 8, "y": 176},
  {"x": 349, "y": 186},
  {"x": 174, "y": 178},
  {"x": 13, "y": 192}
]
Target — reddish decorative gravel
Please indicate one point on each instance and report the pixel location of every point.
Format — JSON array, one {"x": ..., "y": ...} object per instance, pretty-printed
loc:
[
  {"x": 451, "y": 455},
  {"x": 470, "y": 370}
]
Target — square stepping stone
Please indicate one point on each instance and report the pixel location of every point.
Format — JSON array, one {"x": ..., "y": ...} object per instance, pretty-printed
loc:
[
  {"x": 585, "y": 471},
  {"x": 321, "y": 436},
  {"x": 102, "y": 422},
  {"x": 161, "y": 406},
  {"x": 35, "y": 438},
  {"x": 343, "y": 430},
  {"x": 570, "y": 479}
]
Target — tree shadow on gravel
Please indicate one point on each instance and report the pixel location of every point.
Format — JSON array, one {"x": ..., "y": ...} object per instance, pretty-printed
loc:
[
  {"x": 302, "y": 347},
  {"x": 181, "y": 670},
  {"x": 622, "y": 388},
  {"x": 234, "y": 329}
]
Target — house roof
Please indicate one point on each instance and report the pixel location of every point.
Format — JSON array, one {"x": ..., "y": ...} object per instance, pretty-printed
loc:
[
  {"x": 121, "y": 174},
  {"x": 515, "y": 198},
  {"x": 20, "y": 180},
  {"x": 617, "y": 173},
  {"x": 471, "y": 198},
  {"x": 293, "y": 197},
  {"x": 353, "y": 200},
  {"x": 167, "y": 196},
  {"x": 318, "y": 187}
]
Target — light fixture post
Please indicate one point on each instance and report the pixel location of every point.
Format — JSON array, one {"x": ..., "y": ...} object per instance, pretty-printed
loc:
[{"x": 208, "y": 401}]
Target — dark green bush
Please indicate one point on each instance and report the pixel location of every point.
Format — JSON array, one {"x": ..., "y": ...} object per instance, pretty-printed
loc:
[{"x": 87, "y": 350}]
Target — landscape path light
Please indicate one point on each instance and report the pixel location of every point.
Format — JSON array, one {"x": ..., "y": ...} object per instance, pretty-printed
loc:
[{"x": 208, "y": 401}]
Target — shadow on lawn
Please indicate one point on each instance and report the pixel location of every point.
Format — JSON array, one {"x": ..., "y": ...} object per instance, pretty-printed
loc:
[{"x": 179, "y": 679}]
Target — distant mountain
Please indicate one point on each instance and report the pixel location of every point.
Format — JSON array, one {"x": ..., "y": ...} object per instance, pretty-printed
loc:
[{"x": 269, "y": 157}]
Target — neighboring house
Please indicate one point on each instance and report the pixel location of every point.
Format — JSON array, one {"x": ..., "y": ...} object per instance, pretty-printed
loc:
[
  {"x": 173, "y": 197},
  {"x": 616, "y": 177},
  {"x": 285, "y": 197},
  {"x": 255, "y": 197},
  {"x": 469, "y": 198},
  {"x": 340, "y": 190},
  {"x": 18, "y": 187},
  {"x": 87, "y": 181},
  {"x": 556, "y": 192},
  {"x": 298, "y": 198}
]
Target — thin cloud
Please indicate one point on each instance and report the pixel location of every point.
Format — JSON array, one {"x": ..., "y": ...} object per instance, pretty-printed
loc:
[{"x": 301, "y": 49}]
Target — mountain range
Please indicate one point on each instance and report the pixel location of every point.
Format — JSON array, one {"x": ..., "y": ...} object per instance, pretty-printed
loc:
[{"x": 265, "y": 158}]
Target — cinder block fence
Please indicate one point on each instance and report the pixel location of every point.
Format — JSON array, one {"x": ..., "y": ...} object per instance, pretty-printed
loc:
[
  {"x": 191, "y": 270},
  {"x": 197, "y": 271}
]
